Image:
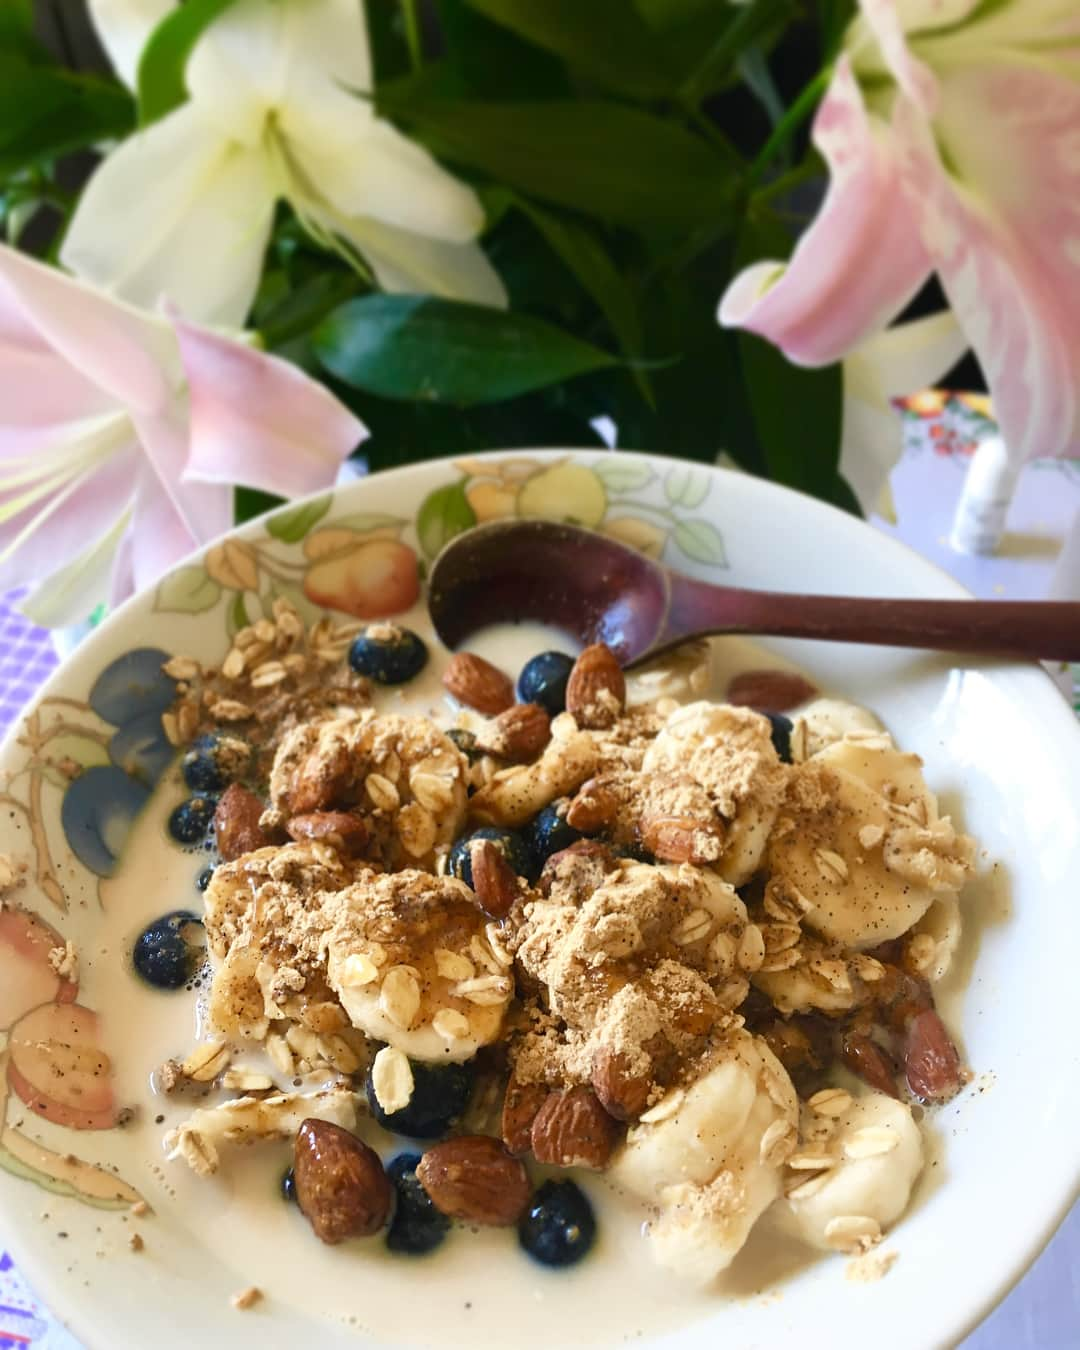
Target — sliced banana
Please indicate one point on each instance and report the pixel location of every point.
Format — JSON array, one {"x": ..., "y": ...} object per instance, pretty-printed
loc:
[
  {"x": 410, "y": 959},
  {"x": 868, "y": 865},
  {"x": 936, "y": 937},
  {"x": 685, "y": 672},
  {"x": 729, "y": 752},
  {"x": 710, "y": 1158},
  {"x": 826, "y": 720},
  {"x": 514, "y": 795},
  {"x": 877, "y": 1156}
]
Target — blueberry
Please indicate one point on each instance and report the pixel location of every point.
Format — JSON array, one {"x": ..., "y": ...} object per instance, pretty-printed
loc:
[
  {"x": 558, "y": 1227},
  {"x": 168, "y": 951},
  {"x": 288, "y": 1186},
  {"x": 543, "y": 680},
  {"x": 511, "y": 844},
  {"x": 191, "y": 819},
  {"x": 440, "y": 1093},
  {"x": 97, "y": 813},
  {"x": 781, "y": 734},
  {"x": 389, "y": 660},
  {"x": 204, "y": 878},
  {"x": 418, "y": 1227},
  {"x": 549, "y": 833}
]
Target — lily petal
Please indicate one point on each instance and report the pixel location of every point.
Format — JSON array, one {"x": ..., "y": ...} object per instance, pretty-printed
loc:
[
  {"x": 364, "y": 166},
  {"x": 49, "y": 533},
  {"x": 177, "y": 210},
  {"x": 76, "y": 590},
  {"x": 160, "y": 537},
  {"x": 204, "y": 510},
  {"x": 1002, "y": 224},
  {"x": 258, "y": 420},
  {"x": 860, "y": 261},
  {"x": 412, "y": 264},
  {"x": 129, "y": 355},
  {"x": 258, "y": 56},
  {"x": 124, "y": 27},
  {"x": 902, "y": 360}
]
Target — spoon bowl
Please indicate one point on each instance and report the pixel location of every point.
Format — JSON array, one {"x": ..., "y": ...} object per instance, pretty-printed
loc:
[{"x": 599, "y": 590}]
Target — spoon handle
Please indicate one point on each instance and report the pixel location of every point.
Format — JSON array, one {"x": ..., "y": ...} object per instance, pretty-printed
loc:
[{"x": 1043, "y": 629}]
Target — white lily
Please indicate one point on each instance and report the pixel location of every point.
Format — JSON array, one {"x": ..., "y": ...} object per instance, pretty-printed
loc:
[
  {"x": 890, "y": 365},
  {"x": 185, "y": 207}
]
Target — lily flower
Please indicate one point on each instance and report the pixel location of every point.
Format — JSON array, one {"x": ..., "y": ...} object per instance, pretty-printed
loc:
[
  {"x": 890, "y": 365},
  {"x": 184, "y": 207},
  {"x": 123, "y": 432},
  {"x": 952, "y": 135}
]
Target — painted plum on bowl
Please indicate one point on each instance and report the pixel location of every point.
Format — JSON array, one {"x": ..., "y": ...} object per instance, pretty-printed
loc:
[
  {"x": 58, "y": 1069},
  {"x": 29, "y": 979}
]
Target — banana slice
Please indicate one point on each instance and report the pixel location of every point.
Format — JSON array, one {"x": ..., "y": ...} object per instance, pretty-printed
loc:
[
  {"x": 404, "y": 775},
  {"x": 416, "y": 964},
  {"x": 685, "y": 672},
  {"x": 935, "y": 938},
  {"x": 516, "y": 794},
  {"x": 850, "y": 1205},
  {"x": 729, "y": 752},
  {"x": 710, "y": 1158},
  {"x": 827, "y": 720},
  {"x": 860, "y": 842}
]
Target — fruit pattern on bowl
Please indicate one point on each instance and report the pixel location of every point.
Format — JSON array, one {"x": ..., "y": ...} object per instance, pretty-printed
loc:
[{"x": 90, "y": 766}]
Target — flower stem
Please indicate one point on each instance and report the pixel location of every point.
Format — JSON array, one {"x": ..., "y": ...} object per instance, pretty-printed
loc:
[
  {"x": 412, "y": 33},
  {"x": 799, "y": 111}
]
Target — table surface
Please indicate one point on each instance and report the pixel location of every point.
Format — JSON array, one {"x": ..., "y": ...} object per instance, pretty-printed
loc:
[{"x": 1043, "y": 1312}]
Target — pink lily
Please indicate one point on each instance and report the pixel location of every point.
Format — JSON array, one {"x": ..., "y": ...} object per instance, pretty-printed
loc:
[
  {"x": 952, "y": 133},
  {"x": 123, "y": 432}
]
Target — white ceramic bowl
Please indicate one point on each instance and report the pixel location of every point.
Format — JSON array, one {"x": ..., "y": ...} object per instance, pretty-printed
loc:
[{"x": 1000, "y": 746}]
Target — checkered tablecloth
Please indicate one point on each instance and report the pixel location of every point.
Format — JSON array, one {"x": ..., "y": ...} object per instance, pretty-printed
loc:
[{"x": 1043, "y": 1312}]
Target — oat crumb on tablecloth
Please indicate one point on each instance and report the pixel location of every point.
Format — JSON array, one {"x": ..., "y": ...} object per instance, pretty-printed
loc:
[
  {"x": 135, "y": 1242},
  {"x": 871, "y": 1266},
  {"x": 246, "y": 1298},
  {"x": 139, "y": 1209}
]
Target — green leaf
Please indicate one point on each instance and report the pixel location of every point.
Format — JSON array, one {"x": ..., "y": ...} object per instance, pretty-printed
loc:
[
  {"x": 619, "y": 475},
  {"x": 251, "y": 502},
  {"x": 46, "y": 112},
  {"x": 291, "y": 526},
  {"x": 606, "y": 40},
  {"x": 490, "y": 61},
  {"x": 609, "y": 161},
  {"x": 188, "y": 590},
  {"x": 749, "y": 23},
  {"x": 663, "y": 14},
  {"x": 58, "y": 1185},
  {"x": 83, "y": 750},
  {"x": 684, "y": 487},
  {"x": 701, "y": 541},
  {"x": 445, "y": 513},
  {"x": 592, "y": 266},
  {"x": 160, "y": 80},
  {"x": 413, "y": 347}
]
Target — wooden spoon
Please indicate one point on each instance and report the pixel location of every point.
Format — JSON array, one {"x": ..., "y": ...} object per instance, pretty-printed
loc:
[{"x": 599, "y": 590}]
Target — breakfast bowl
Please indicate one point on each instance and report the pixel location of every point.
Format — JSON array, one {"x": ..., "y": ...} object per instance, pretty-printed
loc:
[{"x": 101, "y": 839}]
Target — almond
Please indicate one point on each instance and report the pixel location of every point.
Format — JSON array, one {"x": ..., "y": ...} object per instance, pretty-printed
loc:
[
  {"x": 474, "y": 1178},
  {"x": 519, "y": 733},
  {"x": 581, "y": 866},
  {"x": 770, "y": 690},
  {"x": 318, "y": 779},
  {"x": 572, "y": 1129},
  {"x": 866, "y": 1058},
  {"x": 621, "y": 1093},
  {"x": 520, "y": 1105},
  {"x": 236, "y": 823},
  {"x": 595, "y": 805},
  {"x": 931, "y": 1061},
  {"x": 340, "y": 1184},
  {"x": 680, "y": 839},
  {"x": 494, "y": 881},
  {"x": 340, "y": 828},
  {"x": 596, "y": 689},
  {"x": 478, "y": 684}
]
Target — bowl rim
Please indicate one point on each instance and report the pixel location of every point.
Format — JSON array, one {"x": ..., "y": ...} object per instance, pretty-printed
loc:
[{"x": 65, "y": 1305}]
